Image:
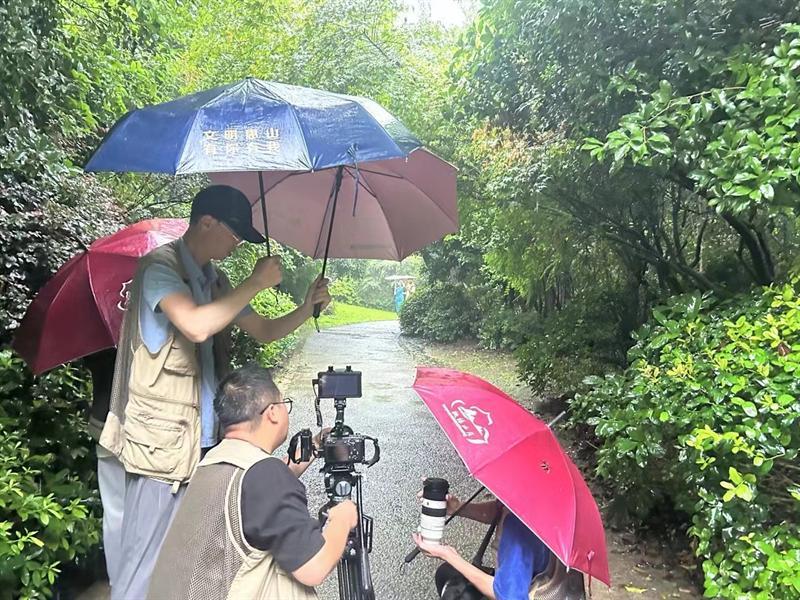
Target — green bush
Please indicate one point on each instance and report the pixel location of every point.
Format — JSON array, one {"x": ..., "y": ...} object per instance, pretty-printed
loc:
[
  {"x": 49, "y": 506},
  {"x": 442, "y": 312},
  {"x": 271, "y": 304},
  {"x": 589, "y": 336},
  {"x": 707, "y": 418},
  {"x": 343, "y": 289}
]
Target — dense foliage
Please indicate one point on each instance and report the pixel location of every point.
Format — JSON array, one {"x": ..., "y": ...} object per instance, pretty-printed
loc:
[
  {"x": 615, "y": 155},
  {"x": 48, "y": 496},
  {"x": 706, "y": 419},
  {"x": 535, "y": 82},
  {"x": 441, "y": 312},
  {"x": 612, "y": 155}
]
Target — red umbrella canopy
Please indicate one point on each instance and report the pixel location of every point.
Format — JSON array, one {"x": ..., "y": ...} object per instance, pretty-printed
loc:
[
  {"x": 79, "y": 311},
  {"x": 517, "y": 457}
]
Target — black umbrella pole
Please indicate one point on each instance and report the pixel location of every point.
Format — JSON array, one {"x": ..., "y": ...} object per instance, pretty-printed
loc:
[
  {"x": 336, "y": 185},
  {"x": 263, "y": 198}
]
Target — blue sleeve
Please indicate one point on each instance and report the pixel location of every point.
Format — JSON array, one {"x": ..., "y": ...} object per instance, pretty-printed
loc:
[
  {"x": 158, "y": 281},
  {"x": 520, "y": 557},
  {"x": 161, "y": 281}
]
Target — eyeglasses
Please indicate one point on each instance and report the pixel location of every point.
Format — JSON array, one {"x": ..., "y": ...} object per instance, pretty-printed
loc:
[
  {"x": 232, "y": 233},
  {"x": 287, "y": 401}
]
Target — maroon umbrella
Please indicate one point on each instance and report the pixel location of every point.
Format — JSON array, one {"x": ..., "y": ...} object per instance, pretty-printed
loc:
[{"x": 79, "y": 311}]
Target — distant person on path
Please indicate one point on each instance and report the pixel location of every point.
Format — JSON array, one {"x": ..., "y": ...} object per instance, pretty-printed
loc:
[
  {"x": 399, "y": 297},
  {"x": 173, "y": 349},
  {"x": 243, "y": 529}
]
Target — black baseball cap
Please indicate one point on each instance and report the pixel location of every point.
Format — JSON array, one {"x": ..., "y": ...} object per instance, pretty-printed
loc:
[{"x": 230, "y": 206}]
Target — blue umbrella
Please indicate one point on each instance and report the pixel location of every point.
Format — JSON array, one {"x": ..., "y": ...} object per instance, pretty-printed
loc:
[{"x": 252, "y": 125}]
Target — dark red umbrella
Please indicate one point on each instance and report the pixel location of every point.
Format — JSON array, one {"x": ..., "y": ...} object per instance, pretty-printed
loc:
[
  {"x": 517, "y": 457},
  {"x": 79, "y": 311}
]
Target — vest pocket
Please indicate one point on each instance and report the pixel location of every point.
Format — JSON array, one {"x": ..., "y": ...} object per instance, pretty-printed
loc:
[
  {"x": 181, "y": 359},
  {"x": 155, "y": 446}
]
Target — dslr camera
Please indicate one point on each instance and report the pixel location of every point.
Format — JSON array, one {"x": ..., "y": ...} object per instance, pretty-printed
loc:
[{"x": 343, "y": 449}]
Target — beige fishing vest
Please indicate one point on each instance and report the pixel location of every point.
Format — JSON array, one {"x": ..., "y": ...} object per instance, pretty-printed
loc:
[
  {"x": 205, "y": 555},
  {"x": 153, "y": 424}
]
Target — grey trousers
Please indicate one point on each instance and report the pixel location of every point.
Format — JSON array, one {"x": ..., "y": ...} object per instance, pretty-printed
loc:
[
  {"x": 150, "y": 507},
  {"x": 111, "y": 481}
]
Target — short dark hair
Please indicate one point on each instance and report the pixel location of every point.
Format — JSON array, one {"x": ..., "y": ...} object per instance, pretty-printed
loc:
[{"x": 244, "y": 394}]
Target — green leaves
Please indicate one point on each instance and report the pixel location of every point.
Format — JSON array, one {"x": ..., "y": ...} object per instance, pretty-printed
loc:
[
  {"x": 706, "y": 418},
  {"x": 739, "y": 486},
  {"x": 740, "y": 158},
  {"x": 48, "y": 504}
]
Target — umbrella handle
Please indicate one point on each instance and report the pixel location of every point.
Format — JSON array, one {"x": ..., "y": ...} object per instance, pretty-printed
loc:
[
  {"x": 411, "y": 555},
  {"x": 263, "y": 203}
]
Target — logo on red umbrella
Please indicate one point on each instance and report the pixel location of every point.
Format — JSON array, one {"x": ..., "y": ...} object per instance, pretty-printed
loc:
[
  {"x": 471, "y": 421},
  {"x": 124, "y": 295}
]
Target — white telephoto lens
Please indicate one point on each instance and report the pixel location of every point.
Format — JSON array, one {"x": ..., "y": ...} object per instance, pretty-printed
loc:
[
  {"x": 434, "y": 509},
  {"x": 431, "y": 522}
]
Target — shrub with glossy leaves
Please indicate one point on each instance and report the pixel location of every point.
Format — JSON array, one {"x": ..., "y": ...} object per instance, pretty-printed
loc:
[
  {"x": 270, "y": 304},
  {"x": 343, "y": 289},
  {"x": 707, "y": 417},
  {"x": 49, "y": 509}
]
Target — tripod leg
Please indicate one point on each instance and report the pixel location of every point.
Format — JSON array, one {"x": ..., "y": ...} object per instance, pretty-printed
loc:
[
  {"x": 349, "y": 576},
  {"x": 354, "y": 577}
]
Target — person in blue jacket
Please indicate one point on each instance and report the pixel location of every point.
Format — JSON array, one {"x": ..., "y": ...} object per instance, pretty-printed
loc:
[{"x": 521, "y": 556}]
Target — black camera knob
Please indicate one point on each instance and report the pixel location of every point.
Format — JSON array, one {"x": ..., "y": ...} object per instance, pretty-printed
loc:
[{"x": 343, "y": 489}]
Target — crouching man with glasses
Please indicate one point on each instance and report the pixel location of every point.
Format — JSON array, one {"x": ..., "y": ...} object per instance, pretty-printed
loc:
[{"x": 243, "y": 529}]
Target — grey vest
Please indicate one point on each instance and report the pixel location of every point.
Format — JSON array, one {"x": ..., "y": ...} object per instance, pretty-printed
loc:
[{"x": 205, "y": 555}]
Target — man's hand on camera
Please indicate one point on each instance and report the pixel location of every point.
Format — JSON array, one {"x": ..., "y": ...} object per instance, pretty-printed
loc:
[
  {"x": 442, "y": 551},
  {"x": 320, "y": 438},
  {"x": 318, "y": 294},
  {"x": 267, "y": 272},
  {"x": 346, "y": 512}
]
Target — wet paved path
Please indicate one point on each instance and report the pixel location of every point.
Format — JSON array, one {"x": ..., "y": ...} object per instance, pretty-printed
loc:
[{"x": 412, "y": 447}]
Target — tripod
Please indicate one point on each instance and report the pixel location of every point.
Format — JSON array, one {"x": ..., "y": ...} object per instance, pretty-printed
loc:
[
  {"x": 342, "y": 450},
  {"x": 353, "y": 572}
]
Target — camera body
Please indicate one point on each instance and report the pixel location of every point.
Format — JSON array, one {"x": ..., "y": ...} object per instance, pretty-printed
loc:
[{"x": 343, "y": 451}]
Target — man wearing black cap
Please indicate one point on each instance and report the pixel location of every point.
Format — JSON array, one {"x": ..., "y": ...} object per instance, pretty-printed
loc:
[{"x": 173, "y": 349}]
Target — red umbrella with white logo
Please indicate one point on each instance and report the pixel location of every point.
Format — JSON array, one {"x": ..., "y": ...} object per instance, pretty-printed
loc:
[
  {"x": 517, "y": 457},
  {"x": 79, "y": 311}
]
